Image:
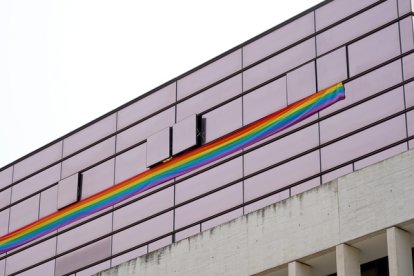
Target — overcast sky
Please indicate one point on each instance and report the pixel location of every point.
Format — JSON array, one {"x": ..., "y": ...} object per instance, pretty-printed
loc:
[{"x": 64, "y": 63}]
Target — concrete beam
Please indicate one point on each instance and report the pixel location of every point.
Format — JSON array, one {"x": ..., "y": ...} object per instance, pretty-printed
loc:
[
  {"x": 319, "y": 219},
  {"x": 347, "y": 261},
  {"x": 399, "y": 252},
  {"x": 299, "y": 269}
]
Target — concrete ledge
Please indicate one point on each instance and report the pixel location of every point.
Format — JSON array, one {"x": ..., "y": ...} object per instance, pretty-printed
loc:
[
  {"x": 345, "y": 209},
  {"x": 377, "y": 197}
]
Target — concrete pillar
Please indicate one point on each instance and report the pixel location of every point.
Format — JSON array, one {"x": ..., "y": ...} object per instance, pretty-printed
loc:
[
  {"x": 399, "y": 252},
  {"x": 347, "y": 261},
  {"x": 299, "y": 269}
]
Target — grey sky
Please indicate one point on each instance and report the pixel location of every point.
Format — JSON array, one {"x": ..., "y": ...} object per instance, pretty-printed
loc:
[{"x": 64, "y": 63}]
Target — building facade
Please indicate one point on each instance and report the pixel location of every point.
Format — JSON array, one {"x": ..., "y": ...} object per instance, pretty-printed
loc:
[
  {"x": 359, "y": 224},
  {"x": 366, "y": 45}
]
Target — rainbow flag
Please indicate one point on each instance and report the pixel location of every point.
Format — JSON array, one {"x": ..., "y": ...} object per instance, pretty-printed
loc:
[{"x": 177, "y": 166}]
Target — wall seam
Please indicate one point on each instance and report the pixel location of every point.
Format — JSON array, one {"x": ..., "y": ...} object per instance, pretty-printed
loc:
[
  {"x": 402, "y": 73},
  {"x": 113, "y": 182},
  {"x": 243, "y": 124},
  {"x": 317, "y": 89},
  {"x": 174, "y": 179}
]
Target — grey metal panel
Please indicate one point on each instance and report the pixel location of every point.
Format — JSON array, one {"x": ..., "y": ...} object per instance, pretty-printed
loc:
[
  {"x": 408, "y": 65},
  {"x": 209, "y": 180},
  {"x": 84, "y": 233},
  {"x": 303, "y": 187},
  {"x": 362, "y": 115},
  {"x": 88, "y": 157},
  {"x": 380, "y": 156},
  {"x": 301, "y": 82},
  {"x": 131, "y": 163},
  {"x": 209, "y": 74},
  {"x": 279, "y": 64},
  {"x": 363, "y": 142},
  {"x": 6, "y": 177},
  {"x": 221, "y": 219},
  {"x": 210, "y": 97},
  {"x": 281, "y": 176},
  {"x": 278, "y": 39},
  {"x": 83, "y": 256},
  {"x": 98, "y": 178},
  {"x": 48, "y": 201},
  {"x": 328, "y": 14},
  {"x": 45, "y": 269},
  {"x": 337, "y": 173},
  {"x": 143, "y": 208},
  {"x": 31, "y": 256},
  {"x": 143, "y": 232},
  {"x": 159, "y": 244},
  {"x": 146, "y": 106},
  {"x": 94, "y": 269},
  {"x": 2, "y": 267},
  {"x": 187, "y": 233},
  {"x": 266, "y": 201},
  {"x": 24, "y": 212},
  {"x": 129, "y": 256},
  {"x": 68, "y": 190},
  {"x": 222, "y": 120},
  {"x": 141, "y": 131},
  {"x": 209, "y": 205},
  {"x": 356, "y": 26},
  {"x": 158, "y": 147},
  {"x": 264, "y": 101},
  {"x": 409, "y": 94},
  {"x": 4, "y": 221},
  {"x": 184, "y": 134},
  {"x": 37, "y": 182},
  {"x": 404, "y": 6},
  {"x": 89, "y": 135},
  {"x": 332, "y": 68},
  {"x": 368, "y": 85},
  {"x": 281, "y": 149},
  {"x": 410, "y": 122},
  {"x": 407, "y": 34},
  {"x": 386, "y": 44},
  {"x": 5, "y": 197},
  {"x": 37, "y": 161}
]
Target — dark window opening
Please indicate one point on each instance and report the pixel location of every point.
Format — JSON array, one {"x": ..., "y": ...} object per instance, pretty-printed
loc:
[{"x": 377, "y": 267}]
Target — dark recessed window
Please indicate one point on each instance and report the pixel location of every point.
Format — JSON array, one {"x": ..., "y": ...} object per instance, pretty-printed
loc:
[{"x": 378, "y": 267}]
